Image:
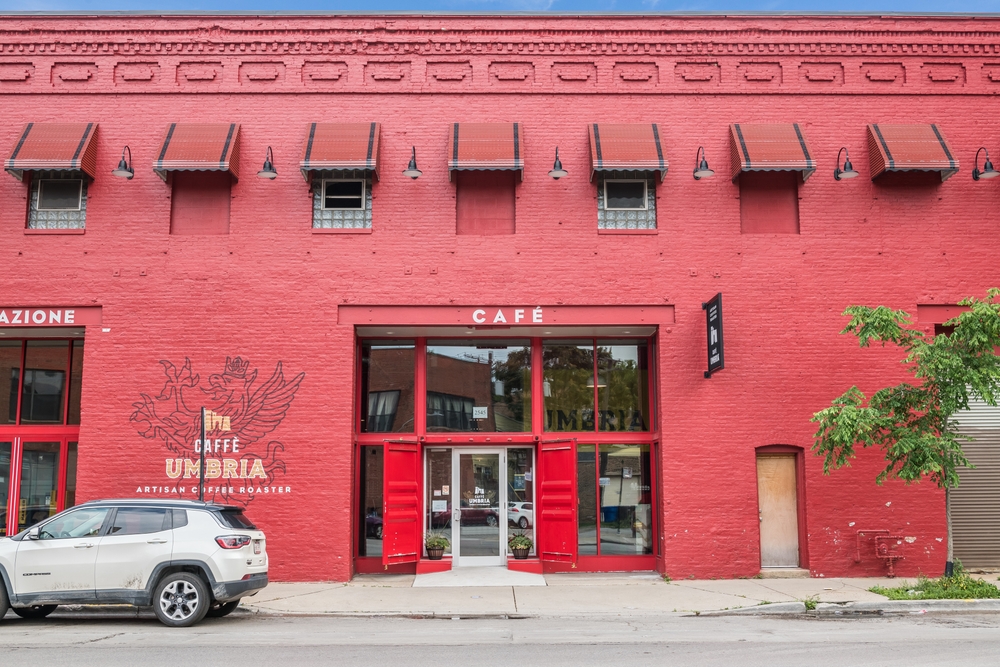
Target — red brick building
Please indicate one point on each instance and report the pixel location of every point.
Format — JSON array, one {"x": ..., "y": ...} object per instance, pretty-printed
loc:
[{"x": 384, "y": 356}]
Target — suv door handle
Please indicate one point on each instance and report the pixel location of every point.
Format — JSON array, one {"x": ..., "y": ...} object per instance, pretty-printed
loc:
[
  {"x": 83, "y": 546},
  {"x": 157, "y": 541}
]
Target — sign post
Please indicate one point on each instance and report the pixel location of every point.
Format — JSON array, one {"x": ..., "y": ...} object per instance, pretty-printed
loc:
[
  {"x": 201, "y": 465},
  {"x": 713, "y": 325}
]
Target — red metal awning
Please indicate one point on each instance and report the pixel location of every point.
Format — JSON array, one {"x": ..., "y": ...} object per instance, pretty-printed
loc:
[
  {"x": 342, "y": 146},
  {"x": 485, "y": 147},
  {"x": 770, "y": 147},
  {"x": 619, "y": 147},
  {"x": 55, "y": 147},
  {"x": 199, "y": 147},
  {"x": 909, "y": 148}
]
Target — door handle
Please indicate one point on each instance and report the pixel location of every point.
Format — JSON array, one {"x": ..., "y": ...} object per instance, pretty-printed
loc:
[
  {"x": 83, "y": 546},
  {"x": 158, "y": 541}
]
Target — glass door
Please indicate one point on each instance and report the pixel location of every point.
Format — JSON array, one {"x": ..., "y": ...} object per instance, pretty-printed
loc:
[
  {"x": 38, "y": 498},
  {"x": 5, "y": 451},
  {"x": 479, "y": 525}
]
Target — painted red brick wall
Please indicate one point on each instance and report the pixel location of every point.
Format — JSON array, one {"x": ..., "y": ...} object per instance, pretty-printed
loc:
[{"x": 269, "y": 290}]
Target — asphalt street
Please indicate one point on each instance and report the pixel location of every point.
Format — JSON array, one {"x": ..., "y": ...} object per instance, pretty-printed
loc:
[{"x": 919, "y": 639}]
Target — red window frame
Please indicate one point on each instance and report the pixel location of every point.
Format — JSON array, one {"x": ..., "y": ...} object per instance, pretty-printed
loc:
[
  {"x": 538, "y": 433},
  {"x": 18, "y": 434}
]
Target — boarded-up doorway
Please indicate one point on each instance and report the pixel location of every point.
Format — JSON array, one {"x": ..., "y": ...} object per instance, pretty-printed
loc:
[{"x": 777, "y": 500}]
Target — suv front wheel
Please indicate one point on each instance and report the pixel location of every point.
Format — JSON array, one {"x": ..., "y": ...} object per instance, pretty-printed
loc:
[{"x": 181, "y": 600}]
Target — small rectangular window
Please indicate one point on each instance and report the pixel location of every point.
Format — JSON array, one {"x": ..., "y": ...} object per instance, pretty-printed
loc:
[
  {"x": 180, "y": 518},
  {"x": 60, "y": 195},
  {"x": 138, "y": 521},
  {"x": 236, "y": 519},
  {"x": 344, "y": 195},
  {"x": 625, "y": 195}
]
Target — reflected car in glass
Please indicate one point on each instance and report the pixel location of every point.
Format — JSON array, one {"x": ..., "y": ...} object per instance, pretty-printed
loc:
[{"x": 520, "y": 514}]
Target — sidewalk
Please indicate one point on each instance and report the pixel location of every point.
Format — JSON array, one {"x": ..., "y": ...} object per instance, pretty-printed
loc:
[{"x": 584, "y": 594}]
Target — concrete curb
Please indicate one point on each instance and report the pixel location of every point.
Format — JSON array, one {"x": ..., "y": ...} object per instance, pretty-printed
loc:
[{"x": 879, "y": 608}]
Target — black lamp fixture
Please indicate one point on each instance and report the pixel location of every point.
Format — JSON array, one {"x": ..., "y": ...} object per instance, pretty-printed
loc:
[
  {"x": 268, "y": 171},
  {"x": 411, "y": 169},
  {"x": 988, "y": 170},
  {"x": 557, "y": 168},
  {"x": 124, "y": 168},
  {"x": 848, "y": 170},
  {"x": 702, "y": 170}
]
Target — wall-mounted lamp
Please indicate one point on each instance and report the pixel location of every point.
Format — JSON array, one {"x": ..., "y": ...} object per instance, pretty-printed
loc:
[
  {"x": 988, "y": 170},
  {"x": 557, "y": 168},
  {"x": 702, "y": 170},
  {"x": 411, "y": 169},
  {"x": 848, "y": 170},
  {"x": 268, "y": 171},
  {"x": 124, "y": 168}
]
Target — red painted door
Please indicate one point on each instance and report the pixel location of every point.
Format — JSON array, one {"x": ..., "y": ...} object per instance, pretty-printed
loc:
[
  {"x": 557, "y": 501},
  {"x": 401, "y": 516}
]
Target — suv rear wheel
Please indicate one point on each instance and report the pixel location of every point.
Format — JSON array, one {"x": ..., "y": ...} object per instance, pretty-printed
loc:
[
  {"x": 4, "y": 602},
  {"x": 181, "y": 600},
  {"x": 35, "y": 611}
]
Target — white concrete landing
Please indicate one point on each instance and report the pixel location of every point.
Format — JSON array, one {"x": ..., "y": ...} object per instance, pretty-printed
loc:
[{"x": 478, "y": 577}]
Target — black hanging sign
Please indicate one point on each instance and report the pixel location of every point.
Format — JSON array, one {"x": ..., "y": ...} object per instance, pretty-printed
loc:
[{"x": 713, "y": 325}]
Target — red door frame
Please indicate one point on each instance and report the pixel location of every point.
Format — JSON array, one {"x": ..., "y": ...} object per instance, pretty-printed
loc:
[
  {"x": 18, "y": 434},
  {"x": 533, "y": 438}
]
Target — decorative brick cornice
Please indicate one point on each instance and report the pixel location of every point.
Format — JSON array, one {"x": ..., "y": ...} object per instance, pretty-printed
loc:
[{"x": 413, "y": 54}]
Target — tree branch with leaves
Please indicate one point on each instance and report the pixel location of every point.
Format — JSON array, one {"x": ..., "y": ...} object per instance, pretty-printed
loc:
[{"x": 913, "y": 422}]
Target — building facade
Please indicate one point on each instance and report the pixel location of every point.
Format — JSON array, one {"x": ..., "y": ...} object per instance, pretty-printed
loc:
[{"x": 464, "y": 294}]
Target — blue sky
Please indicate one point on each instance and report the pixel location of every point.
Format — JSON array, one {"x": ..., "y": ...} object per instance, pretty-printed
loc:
[{"x": 430, "y": 6}]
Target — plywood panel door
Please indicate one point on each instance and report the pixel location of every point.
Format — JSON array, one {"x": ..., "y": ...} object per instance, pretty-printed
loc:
[{"x": 778, "y": 505}]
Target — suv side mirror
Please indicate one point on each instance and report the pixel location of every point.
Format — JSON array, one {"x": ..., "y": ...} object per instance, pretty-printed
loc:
[{"x": 33, "y": 533}]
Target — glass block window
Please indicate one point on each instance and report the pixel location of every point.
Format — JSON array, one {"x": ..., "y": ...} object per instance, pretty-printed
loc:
[
  {"x": 619, "y": 204},
  {"x": 342, "y": 199},
  {"x": 58, "y": 200}
]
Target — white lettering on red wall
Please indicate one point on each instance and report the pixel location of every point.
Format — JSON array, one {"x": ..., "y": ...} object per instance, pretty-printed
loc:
[
  {"x": 508, "y": 315},
  {"x": 49, "y": 317}
]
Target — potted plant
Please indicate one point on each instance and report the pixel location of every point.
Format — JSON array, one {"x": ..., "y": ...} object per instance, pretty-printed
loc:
[
  {"x": 436, "y": 544},
  {"x": 520, "y": 544}
]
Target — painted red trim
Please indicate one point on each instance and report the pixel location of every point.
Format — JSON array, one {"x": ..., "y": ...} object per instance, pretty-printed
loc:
[
  {"x": 53, "y": 232},
  {"x": 427, "y": 566},
  {"x": 420, "y": 388},
  {"x": 375, "y": 566},
  {"x": 603, "y": 564},
  {"x": 532, "y": 565}
]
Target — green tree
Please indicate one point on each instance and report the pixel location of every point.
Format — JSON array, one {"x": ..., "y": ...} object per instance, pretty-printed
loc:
[{"x": 912, "y": 422}]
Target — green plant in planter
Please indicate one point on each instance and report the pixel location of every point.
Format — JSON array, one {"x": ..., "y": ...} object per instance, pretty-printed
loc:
[
  {"x": 519, "y": 541},
  {"x": 436, "y": 541}
]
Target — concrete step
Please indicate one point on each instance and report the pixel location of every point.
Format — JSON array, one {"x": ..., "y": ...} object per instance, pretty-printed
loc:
[{"x": 784, "y": 573}]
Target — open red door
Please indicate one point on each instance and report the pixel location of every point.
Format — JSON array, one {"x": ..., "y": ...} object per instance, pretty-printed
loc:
[
  {"x": 557, "y": 501},
  {"x": 401, "y": 516}
]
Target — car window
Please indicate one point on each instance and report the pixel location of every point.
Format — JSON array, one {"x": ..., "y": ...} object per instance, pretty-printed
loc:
[
  {"x": 79, "y": 523},
  {"x": 527, "y": 506},
  {"x": 139, "y": 521},
  {"x": 236, "y": 519},
  {"x": 180, "y": 518}
]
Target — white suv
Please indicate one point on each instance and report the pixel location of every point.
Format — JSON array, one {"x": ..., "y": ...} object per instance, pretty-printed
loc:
[{"x": 187, "y": 559}]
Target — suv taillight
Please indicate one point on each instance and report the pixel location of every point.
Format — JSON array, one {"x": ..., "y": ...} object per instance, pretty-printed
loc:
[{"x": 232, "y": 541}]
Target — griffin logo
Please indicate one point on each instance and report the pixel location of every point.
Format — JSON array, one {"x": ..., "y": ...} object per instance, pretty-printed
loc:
[{"x": 241, "y": 413}]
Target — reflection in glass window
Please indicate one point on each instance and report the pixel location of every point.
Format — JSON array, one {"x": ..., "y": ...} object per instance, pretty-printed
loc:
[
  {"x": 568, "y": 386},
  {"x": 387, "y": 374},
  {"x": 586, "y": 484},
  {"x": 520, "y": 493},
  {"x": 10, "y": 379},
  {"x": 370, "y": 537},
  {"x": 623, "y": 387},
  {"x": 75, "y": 382},
  {"x": 42, "y": 394},
  {"x": 479, "y": 386},
  {"x": 39, "y": 468},
  {"x": 438, "y": 503},
  {"x": 139, "y": 521},
  {"x": 81, "y": 523}
]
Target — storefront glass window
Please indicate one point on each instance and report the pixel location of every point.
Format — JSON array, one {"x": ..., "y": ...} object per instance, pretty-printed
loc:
[
  {"x": 479, "y": 386},
  {"x": 568, "y": 385},
  {"x": 438, "y": 504},
  {"x": 39, "y": 471},
  {"x": 586, "y": 478},
  {"x": 625, "y": 496},
  {"x": 71, "y": 475},
  {"x": 623, "y": 386},
  {"x": 42, "y": 396},
  {"x": 5, "y": 450},
  {"x": 387, "y": 387},
  {"x": 75, "y": 381},
  {"x": 370, "y": 539},
  {"x": 520, "y": 492}
]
